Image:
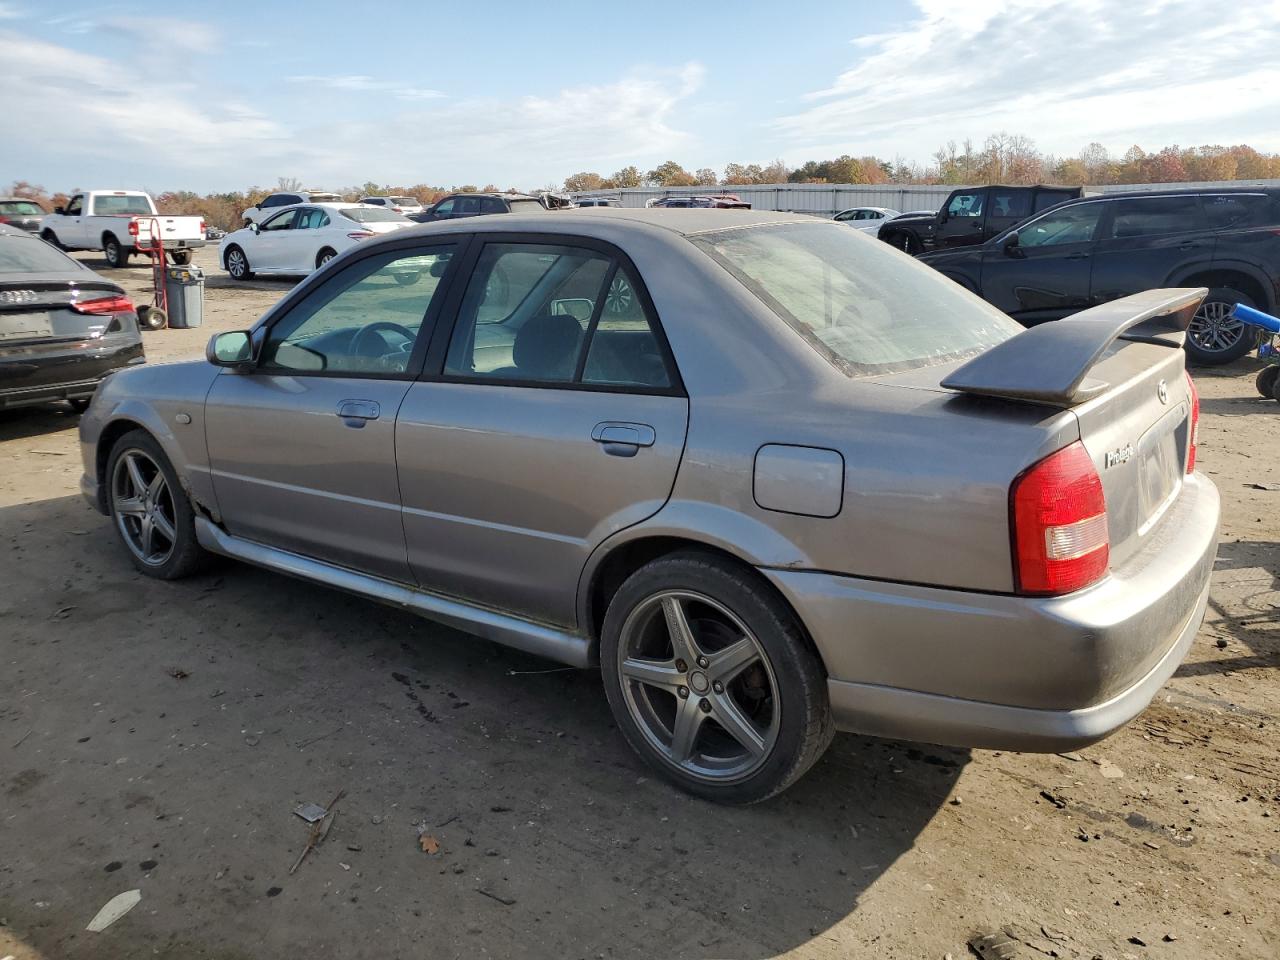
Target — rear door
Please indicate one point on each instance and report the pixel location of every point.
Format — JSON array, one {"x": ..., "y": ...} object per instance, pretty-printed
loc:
[
  {"x": 302, "y": 448},
  {"x": 1147, "y": 240},
  {"x": 551, "y": 417},
  {"x": 1046, "y": 275},
  {"x": 961, "y": 223}
]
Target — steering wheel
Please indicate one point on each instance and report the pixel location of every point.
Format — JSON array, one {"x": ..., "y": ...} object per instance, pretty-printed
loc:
[{"x": 359, "y": 341}]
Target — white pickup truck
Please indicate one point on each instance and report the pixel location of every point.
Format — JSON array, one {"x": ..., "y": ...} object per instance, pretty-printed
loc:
[{"x": 118, "y": 222}]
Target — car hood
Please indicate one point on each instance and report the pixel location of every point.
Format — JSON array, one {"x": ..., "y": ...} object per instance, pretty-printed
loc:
[{"x": 912, "y": 218}]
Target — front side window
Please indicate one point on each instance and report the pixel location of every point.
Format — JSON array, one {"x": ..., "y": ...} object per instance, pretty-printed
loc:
[
  {"x": 1156, "y": 217},
  {"x": 443, "y": 209},
  {"x": 363, "y": 321},
  {"x": 75, "y": 207},
  {"x": 1076, "y": 224},
  {"x": 133, "y": 206},
  {"x": 847, "y": 215},
  {"x": 281, "y": 221},
  {"x": 543, "y": 313},
  {"x": 863, "y": 308},
  {"x": 966, "y": 204}
]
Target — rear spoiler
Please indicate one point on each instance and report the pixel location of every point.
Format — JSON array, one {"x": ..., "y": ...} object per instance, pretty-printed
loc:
[{"x": 1049, "y": 363}]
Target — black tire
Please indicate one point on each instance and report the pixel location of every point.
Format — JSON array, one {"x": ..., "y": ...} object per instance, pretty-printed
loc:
[
  {"x": 1268, "y": 382},
  {"x": 51, "y": 238},
  {"x": 906, "y": 242},
  {"x": 180, "y": 257},
  {"x": 237, "y": 263},
  {"x": 116, "y": 253},
  {"x": 79, "y": 404},
  {"x": 324, "y": 256},
  {"x": 186, "y": 556},
  {"x": 1210, "y": 345},
  {"x": 152, "y": 318},
  {"x": 804, "y": 727}
]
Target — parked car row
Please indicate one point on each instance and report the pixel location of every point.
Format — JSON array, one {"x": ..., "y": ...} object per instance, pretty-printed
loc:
[{"x": 121, "y": 223}]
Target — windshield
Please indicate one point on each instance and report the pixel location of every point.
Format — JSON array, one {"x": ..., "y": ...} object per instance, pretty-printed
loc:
[
  {"x": 371, "y": 214},
  {"x": 122, "y": 206},
  {"x": 404, "y": 201},
  {"x": 29, "y": 255},
  {"x": 526, "y": 206},
  {"x": 862, "y": 305},
  {"x": 20, "y": 208}
]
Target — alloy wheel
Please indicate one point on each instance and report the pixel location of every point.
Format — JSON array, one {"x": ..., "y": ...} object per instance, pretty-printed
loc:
[
  {"x": 142, "y": 504},
  {"x": 237, "y": 265},
  {"x": 1213, "y": 329},
  {"x": 698, "y": 685}
]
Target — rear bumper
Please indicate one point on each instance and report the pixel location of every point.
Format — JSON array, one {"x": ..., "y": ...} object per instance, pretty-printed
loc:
[
  {"x": 1013, "y": 673},
  {"x": 41, "y": 374}
]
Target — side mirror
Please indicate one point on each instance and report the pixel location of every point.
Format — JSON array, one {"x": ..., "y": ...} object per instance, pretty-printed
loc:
[
  {"x": 255, "y": 226},
  {"x": 60, "y": 210},
  {"x": 1010, "y": 245},
  {"x": 235, "y": 350}
]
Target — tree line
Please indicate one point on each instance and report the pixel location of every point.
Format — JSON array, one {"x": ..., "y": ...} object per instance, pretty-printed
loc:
[{"x": 1002, "y": 158}]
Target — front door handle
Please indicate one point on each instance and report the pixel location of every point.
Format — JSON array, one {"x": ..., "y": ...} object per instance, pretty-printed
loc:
[
  {"x": 1076, "y": 256},
  {"x": 622, "y": 439},
  {"x": 356, "y": 413}
]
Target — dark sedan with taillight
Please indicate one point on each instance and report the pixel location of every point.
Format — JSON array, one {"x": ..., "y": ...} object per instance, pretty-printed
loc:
[{"x": 63, "y": 328}]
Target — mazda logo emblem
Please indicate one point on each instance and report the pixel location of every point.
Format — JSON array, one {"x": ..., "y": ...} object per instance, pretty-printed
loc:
[{"x": 1162, "y": 391}]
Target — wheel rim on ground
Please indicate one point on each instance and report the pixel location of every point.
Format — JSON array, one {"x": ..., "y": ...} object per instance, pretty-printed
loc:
[
  {"x": 1212, "y": 329},
  {"x": 143, "y": 507},
  {"x": 698, "y": 685},
  {"x": 236, "y": 263}
]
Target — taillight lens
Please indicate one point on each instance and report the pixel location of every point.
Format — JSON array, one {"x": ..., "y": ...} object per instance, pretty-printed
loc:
[
  {"x": 104, "y": 305},
  {"x": 1195, "y": 424},
  {"x": 360, "y": 234},
  {"x": 133, "y": 228},
  {"x": 1059, "y": 518}
]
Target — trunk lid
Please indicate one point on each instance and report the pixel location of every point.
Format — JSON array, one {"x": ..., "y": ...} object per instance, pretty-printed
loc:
[{"x": 36, "y": 310}]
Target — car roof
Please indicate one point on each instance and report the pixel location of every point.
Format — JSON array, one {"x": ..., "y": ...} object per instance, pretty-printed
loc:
[{"x": 685, "y": 222}]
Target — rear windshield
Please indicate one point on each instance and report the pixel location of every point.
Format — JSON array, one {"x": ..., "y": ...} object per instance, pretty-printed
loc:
[
  {"x": 20, "y": 208},
  {"x": 131, "y": 206},
  {"x": 862, "y": 305},
  {"x": 404, "y": 201},
  {"x": 324, "y": 197},
  {"x": 29, "y": 255},
  {"x": 370, "y": 214},
  {"x": 526, "y": 206}
]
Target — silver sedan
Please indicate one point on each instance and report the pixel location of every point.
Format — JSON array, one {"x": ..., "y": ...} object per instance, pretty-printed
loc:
[{"x": 771, "y": 478}]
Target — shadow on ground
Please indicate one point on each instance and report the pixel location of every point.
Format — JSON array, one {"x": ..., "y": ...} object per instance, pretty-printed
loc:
[
  {"x": 1244, "y": 597},
  {"x": 173, "y": 728},
  {"x": 21, "y": 423}
]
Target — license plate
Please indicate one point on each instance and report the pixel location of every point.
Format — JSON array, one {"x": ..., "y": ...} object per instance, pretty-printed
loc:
[
  {"x": 26, "y": 326},
  {"x": 1160, "y": 464}
]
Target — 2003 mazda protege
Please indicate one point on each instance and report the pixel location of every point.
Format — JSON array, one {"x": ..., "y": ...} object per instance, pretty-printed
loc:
[{"x": 775, "y": 478}]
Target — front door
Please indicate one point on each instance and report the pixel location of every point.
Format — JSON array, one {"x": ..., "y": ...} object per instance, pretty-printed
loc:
[
  {"x": 302, "y": 448},
  {"x": 271, "y": 245},
  {"x": 73, "y": 232},
  {"x": 1045, "y": 275},
  {"x": 553, "y": 419},
  {"x": 961, "y": 223}
]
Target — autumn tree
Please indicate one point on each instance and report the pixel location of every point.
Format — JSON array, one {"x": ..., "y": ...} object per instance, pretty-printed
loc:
[
  {"x": 670, "y": 174},
  {"x": 583, "y": 181},
  {"x": 626, "y": 177},
  {"x": 706, "y": 177}
]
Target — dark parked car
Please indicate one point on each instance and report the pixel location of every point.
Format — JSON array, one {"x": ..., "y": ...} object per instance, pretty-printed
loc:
[
  {"x": 477, "y": 205},
  {"x": 598, "y": 202},
  {"x": 1085, "y": 252},
  {"x": 63, "y": 328},
  {"x": 722, "y": 202},
  {"x": 971, "y": 215},
  {"x": 21, "y": 213}
]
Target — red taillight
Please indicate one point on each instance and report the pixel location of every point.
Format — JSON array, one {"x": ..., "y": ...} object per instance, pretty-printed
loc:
[
  {"x": 104, "y": 305},
  {"x": 3, "y": 218},
  {"x": 202, "y": 228},
  {"x": 133, "y": 228},
  {"x": 360, "y": 234},
  {"x": 1195, "y": 425},
  {"x": 1059, "y": 518}
]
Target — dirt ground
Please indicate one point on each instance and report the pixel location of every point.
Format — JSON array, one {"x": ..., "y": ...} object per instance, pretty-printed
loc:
[{"x": 158, "y": 736}]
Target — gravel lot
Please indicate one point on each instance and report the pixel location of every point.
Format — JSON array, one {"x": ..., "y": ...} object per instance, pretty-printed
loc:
[{"x": 157, "y": 736}]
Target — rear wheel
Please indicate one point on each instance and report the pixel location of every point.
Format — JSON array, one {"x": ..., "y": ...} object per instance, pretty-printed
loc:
[
  {"x": 117, "y": 254},
  {"x": 79, "y": 404},
  {"x": 324, "y": 256},
  {"x": 1268, "y": 382},
  {"x": 711, "y": 680},
  {"x": 238, "y": 264},
  {"x": 152, "y": 318},
  {"x": 48, "y": 236},
  {"x": 1215, "y": 338},
  {"x": 152, "y": 515}
]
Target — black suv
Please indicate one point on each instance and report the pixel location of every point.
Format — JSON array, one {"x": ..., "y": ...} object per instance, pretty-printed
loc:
[
  {"x": 970, "y": 216},
  {"x": 477, "y": 205},
  {"x": 1088, "y": 251}
]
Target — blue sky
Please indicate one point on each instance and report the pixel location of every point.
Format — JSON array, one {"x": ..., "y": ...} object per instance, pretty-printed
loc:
[{"x": 228, "y": 94}]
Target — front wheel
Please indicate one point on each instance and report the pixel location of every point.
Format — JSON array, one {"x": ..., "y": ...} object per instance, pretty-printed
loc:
[
  {"x": 1214, "y": 337},
  {"x": 152, "y": 515},
  {"x": 238, "y": 265},
  {"x": 711, "y": 680},
  {"x": 51, "y": 238},
  {"x": 116, "y": 253}
]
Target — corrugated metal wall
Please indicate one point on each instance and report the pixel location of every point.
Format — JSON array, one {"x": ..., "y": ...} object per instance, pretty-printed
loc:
[{"x": 827, "y": 199}]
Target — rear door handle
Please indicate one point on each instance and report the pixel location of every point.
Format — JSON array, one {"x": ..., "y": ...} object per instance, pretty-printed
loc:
[
  {"x": 622, "y": 439},
  {"x": 356, "y": 413},
  {"x": 1077, "y": 256}
]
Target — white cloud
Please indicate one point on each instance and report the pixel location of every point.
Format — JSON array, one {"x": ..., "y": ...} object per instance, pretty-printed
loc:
[
  {"x": 1064, "y": 72},
  {"x": 363, "y": 84},
  {"x": 10, "y": 12}
]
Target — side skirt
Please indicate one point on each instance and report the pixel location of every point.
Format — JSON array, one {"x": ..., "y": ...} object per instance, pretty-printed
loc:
[{"x": 536, "y": 638}]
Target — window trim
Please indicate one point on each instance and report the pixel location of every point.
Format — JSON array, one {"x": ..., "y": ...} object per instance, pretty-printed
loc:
[
  {"x": 1021, "y": 225},
  {"x": 433, "y": 371},
  {"x": 261, "y": 331},
  {"x": 1109, "y": 234}
]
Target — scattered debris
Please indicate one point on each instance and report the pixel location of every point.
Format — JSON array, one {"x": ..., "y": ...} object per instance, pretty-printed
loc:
[
  {"x": 1169, "y": 937},
  {"x": 302, "y": 744},
  {"x": 1255, "y": 486},
  {"x": 252, "y": 741},
  {"x": 22, "y": 738},
  {"x": 179, "y": 674},
  {"x": 1137, "y": 941},
  {"x": 113, "y": 910},
  {"x": 956, "y": 801},
  {"x": 1072, "y": 755},
  {"x": 61, "y": 613},
  {"x": 344, "y": 866},
  {"x": 497, "y": 809},
  {"x": 63, "y": 453},
  {"x": 505, "y": 901},
  {"x": 354, "y": 847},
  {"x": 113, "y": 866},
  {"x": 274, "y": 891},
  {"x": 446, "y": 822},
  {"x": 216, "y": 694},
  {"x": 310, "y": 812},
  {"x": 428, "y": 843},
  {"x": 148, "y": 865},
  {"x": 1109, "y": 770},
  {"x": 319, "y": 830},
  {"x": 1221, "y": 643},
  {"x": 996, "y": 945},
  {"x": 526, "y": 673},
  {"x": 1153, "y": 846},
  {"x": 1057, "y": 801}
]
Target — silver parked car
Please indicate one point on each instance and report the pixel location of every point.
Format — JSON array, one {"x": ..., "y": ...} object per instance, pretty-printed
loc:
[{"x": 774, "y": 477}]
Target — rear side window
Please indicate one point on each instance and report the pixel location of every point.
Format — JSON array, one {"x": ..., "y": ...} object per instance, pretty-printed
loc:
[
  {"x": 860, "y": 305},
  {"x": 466, "y": 205},
  {"x": 492, "y": 205},
  {"x": 1156, "y": 217},
  {"x": 1226, "y": 210},
  {"x": 1010, "y": 204}
]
